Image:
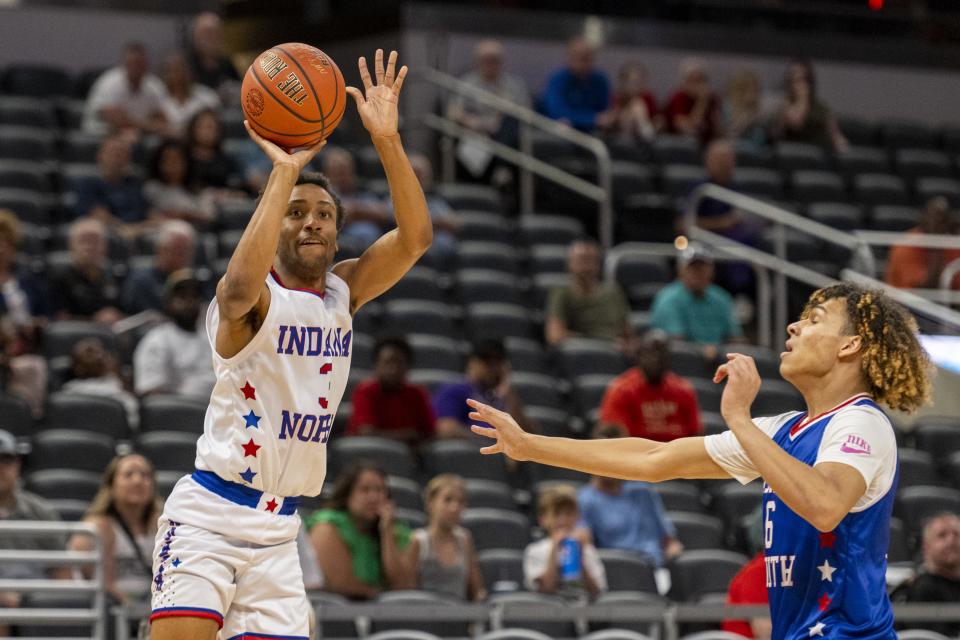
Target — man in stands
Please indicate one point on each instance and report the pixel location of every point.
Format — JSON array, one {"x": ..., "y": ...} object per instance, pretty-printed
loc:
[
  {"x": 919, "y": 267},
  {"x": 115, "y": 195},
  {"x": 209, "y": 63},
  {"x": 587, "y": 307},
  {"x": 387, "y": 405},
  {"x": 578, "y": 94},
  {"x": 650, "y": 401},
  {"x": 173, "y": 250},
  {"x": 127, "y": 98},
  {"x": 86, "y": 288}
]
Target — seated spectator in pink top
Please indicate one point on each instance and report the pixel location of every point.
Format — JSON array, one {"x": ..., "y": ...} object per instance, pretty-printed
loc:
[
  {"x": 388, "y": 405},
  {"x": 694, "y": 109}
]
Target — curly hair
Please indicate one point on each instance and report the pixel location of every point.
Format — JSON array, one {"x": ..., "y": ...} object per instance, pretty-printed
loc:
[{"x": 895, "y": 366}]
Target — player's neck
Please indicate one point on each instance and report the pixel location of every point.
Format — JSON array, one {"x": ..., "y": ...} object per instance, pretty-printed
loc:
[
  {"x": 823, "y": 394},
  {"x": 291, "y": 281}
]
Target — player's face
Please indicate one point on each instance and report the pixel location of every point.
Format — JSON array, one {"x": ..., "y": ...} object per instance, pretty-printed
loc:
[
  {"x": 447, "y": 506},
  {"x": 815, "y": 341},
  {"x": 133, "y": 484},
  {"x": 308, "y": 236},
  {"x": 368, "y": 496}
]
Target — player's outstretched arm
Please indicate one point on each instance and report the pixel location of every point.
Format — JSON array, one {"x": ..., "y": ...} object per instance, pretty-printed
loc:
[
  {"x": 625, "y": 458},
  {"x": 392, "y": 255},
  {"x": 242, "y": 286}
]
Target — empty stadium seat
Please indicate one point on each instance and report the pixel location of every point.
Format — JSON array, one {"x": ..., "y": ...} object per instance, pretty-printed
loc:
[
  {"x": 893, "y": 218},
  {"x": 405, "y": 493},
  {"x": 497, "y": 529},
  {"x": 687, "y": 360},
  {"x": 462, "y": 457},
  {"x": 879, "y": 188},
  {"x": 99, "y": 414},
  {"x": 856, "y": 160},
  {"x": 435, "y": 352},
  {"x": 483, "y": 226},
  {"x": 694, "y": 574},
  {"x": 550, "y": 623},
  {"x": 550, "y": 421},
  {"x": 502, "y": 569},
  {"x": 514, "y": 634},
  {"x": 927, "y": 188},
  {"x": 548, "y": 258},
  {"x": 899, "y": 549},
  {"x": 170, "y": 450},
  {"x": 838, "y": 215},
  {"x": 28, "y": 205},
  {"x": 916, "y": 468},
  {"x": 708, "y": 394},
  {"x": 697, "y": 530},
  {"x": 542, "y": 473},
  {"x": 497, "y": 320},
  {"x": 951, "y": 468},
  {"x": 676, "y": 149},
  {"x": 15, "y": 415},
  {"x": 470, "y": 196},
  {"x": 25, "y": 143},
  {"x": 166, "y": 480},
  {"x": 766, "y": 359},
  {"x": 71, "y": 449},
  {"x": 759, "y": 182},
  {"x": 172, "y": 413},
  {"x": 916, "y": 504},
  {"x": 37, "y": 80},
  {"x": 581, "y": 356},
  {"x": 413, "y": 599},
  {"x": 537, "y": 388},
  {"x": 539, "y": 228},
  {"x": 394, "y": 457},
  {"x": 23, "y": 174},
  {"x": 62, "y": 335},
  {"x": 498, "y": 257},
  {"x": 917, "y": 163},
  {"x": 733, "y": 501},
  {"x": 68, "y": 484},
  {"x": 938, "y": 436},
  {"x": 679, "y": 495},
  {"x": 70, "y": 510},
  {"x": 817, "y": 186},
  {"x": 413, "y": 518},
  {"x": 489, "y": 285},
  {"x": 402, "y": 634},
  {"x": 678, "y": 179},
  {"x": 920, "y": 634},
  {"x": 628, "y": 571},
  {"x": 795, "y": 156},
  {"x": 431, "y": 378},
  {"x": 776, "y": 397},
  {"x": 588, "y": 391},
  {"x": 526, "y": 355},
  {"x": 489, "y": 494},
  {"x": 420, "y": 316},
  {"x": 897, "y": 134},
  {"x": 419, "y": 283}
]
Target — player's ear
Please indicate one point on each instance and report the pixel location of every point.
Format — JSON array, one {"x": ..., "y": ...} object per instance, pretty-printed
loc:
[{"x": 850, "y": 346}]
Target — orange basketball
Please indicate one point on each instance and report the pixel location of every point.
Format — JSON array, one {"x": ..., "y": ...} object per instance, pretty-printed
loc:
[{"x": 293, "y": 95}]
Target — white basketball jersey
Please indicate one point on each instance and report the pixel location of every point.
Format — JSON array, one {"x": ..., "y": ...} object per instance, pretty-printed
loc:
[{"x": 272, "y": 409}]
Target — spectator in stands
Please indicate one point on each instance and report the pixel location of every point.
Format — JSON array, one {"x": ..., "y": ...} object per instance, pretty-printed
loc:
[
  {"x": 694, "y": 309},
  {"x": 212, "y": 167},
  {"x": 22, "y": 299},
  {"x": 170, "y": 190},
  {"x": 587, "y": 307},
  {"x": 486, "y": 378},
  {"x": 803, "y": 116},
  {"x": 175, "y": 357},
  {"x": 579, "y": 94},
  {"x": 749, "y": 586},
  {"x": 114, "y": 196},
  {"x": 744, "y": 109},
  {"x": 920, "y": 268},
  {"x": 939, "y": 578},
  {"x": 650, "y": 401},
  {"x": 488, "y": 75},
  {"x": 442, "y": 554},
  {"x": 21, "y": 374},
  {"x": 627, "y": 515},
  {"x": 446, "y": 222},
  {"x": 124, "y": 513},
  {"x": 694, "y": 109},
  {"x": 359, "y": 543},
  {"x": 210, "y": 65},
  {"x": 634, "y": 117},
  {"x": 95, "y": 372},
  {"x": 545, "y": 562},
  {"x": 174, "y": 249},
  {"x": 182, "y": 97},
  {"x": 127, "y": 98},
  {"x": 366, "y": 214},
  {"x": 387, "y": 405},
  {"x": 86, "y": 288}
]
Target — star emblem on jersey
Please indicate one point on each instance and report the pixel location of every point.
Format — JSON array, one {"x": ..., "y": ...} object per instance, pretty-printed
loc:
[
  {"x": 826, "y": 571},
  {"x": 326, "y": 368},
  {"x": 253, "y": 420},
  {"x": 176, "y": 563},
  {"x": 272, "y": 505},
  {"x": 248, "y": 475},
  {"x": 827, "y": 539},
  {"x": 249, "y": 392},
  {"x": 817, "y": 629},
  {"x": 323, "y": 402},
  {"x": 823, "y": 602},
  {"x": 250, "y": 449}
]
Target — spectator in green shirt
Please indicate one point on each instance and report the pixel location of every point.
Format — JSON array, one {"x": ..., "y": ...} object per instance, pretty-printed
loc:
[
  {"x": 359, "y": 544},
  {"x": 587, "y": 307},
  {"x": 694, "y": 309}
]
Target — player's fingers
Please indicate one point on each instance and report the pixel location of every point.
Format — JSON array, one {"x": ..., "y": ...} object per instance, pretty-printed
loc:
[
  {"x": 310, "y": 152},
  {"x": 391, "y": 68},
  {"x": 378, "y": 66},
  {"x": 494, "y": 448},
  {"x": 720, "y": 374},
  {"x": 398, "y": 83},
  {"x": 364, "y": 73},
  {"x": 356, "y": 95},
  {"x": 483, "y": 431}
]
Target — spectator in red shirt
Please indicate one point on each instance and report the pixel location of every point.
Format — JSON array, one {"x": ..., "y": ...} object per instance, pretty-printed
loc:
[
  {"x": 694, "y": 109},
  {"x": 650, "y": 401},
  {"x": 634, "y": 117},
  {"x": 388, "y": 405},
  {"x": 749, "y": 586}
]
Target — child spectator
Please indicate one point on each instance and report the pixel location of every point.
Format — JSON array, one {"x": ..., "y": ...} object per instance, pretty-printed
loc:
[
  {"x": 358, "y": 542},
  {"x": 565, "y": 561},
  {"x": 443, "y": 554}
]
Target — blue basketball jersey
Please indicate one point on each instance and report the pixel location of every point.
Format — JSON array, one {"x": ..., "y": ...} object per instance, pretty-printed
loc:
[{"x": 829, "y": 585}]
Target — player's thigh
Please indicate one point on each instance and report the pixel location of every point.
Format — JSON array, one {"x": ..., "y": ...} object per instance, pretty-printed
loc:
[
  {"x": 270, "y": 598},
  {"x": 184, "y": 629}
]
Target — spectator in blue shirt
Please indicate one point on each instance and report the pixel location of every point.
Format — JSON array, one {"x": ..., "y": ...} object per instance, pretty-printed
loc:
[
  {"x": 115, "y": 196},
  {"x": 485, "y": 379},
  {"x": 627, "y": 515},
  {"x": 579, "y": 94},
  {"x": 694, "y": 309}
]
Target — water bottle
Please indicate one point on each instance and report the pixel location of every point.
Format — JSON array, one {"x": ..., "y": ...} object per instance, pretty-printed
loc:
[{"x": 569, "y": 556}]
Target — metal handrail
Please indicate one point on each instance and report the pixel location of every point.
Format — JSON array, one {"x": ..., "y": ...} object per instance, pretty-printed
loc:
[
  {"x": 907, "y": 298},
  {"x": 925, "y": 240},
  {"x": 602, "y": 192}
]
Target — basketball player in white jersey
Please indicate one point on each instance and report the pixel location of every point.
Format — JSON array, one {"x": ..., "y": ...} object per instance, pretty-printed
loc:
[{"x": 226, "y": 558}]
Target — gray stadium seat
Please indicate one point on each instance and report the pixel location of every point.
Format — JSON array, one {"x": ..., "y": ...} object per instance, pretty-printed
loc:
[
  {"x": 708, "y": 394},
  {"x": 61, "y": 335},
  {"x": 420, "y": 283},
  {"x": 470, "y": 196},
  {"x": 917, "y": 163},
  {"x": 420, "y": 599},
  {"x": 777, "y": 397},
  {"x": 405, "y": 493},
  {"x": 916, "y": 504},
  {"x": 402, "y": 634},
  {"x": 497, "y": 529},
  {"x": 23, "y": 174},
  {"x": 502, "y": 569},
  {"x": 37, "y": 80},
  {"x": 99, "y": 414},
  {"x": 701, "y": 572},
  {"x": 499, "y": 257},
  {"x": 71, "y": 449},
  {"x": 920, "y": 634},
  {"x": 686, "y": 360},
  {"x": 927, "y": 188},
  {"x": 859, "y": 131},
  {"x": 526, "y": 354},
  {"x": 897, "y": 134},
  {"x": 899, "y": 550},
  {"x": 497, "y": 320},
  {"x": 856, "y": 160},
  {"x": 489, "y": 494},
  {"x": 548, "y": 624},
  {"x": 712, "y": 635},
  {"x": 67, "y": 484},
  {"x": 916, "y": 468},
  {"x": 675, "y": 149},
  {"x": 542, "y": 473},
  {"x": 462, "y": 457},
  {"x": 893, "y": 218},
  {"x": 172, "y": 413},
  {"x": 412, "y": 518},
  {"x": 70, "y": 510},
  {"x": 629, "y": 178},
  {"x": 420, "y": 316},
  {"x": 514, "y": 634},
  {"x": 766, "y": 359},
  {"x": 582, "y": 356},
  {"x": 489, "y": 285},
  {"x": 80, "y": 147},
  {"x": 733, "y": 502},
  {"x": 361, "y": 355},
  {"x": 25, "y": 143},
  {"x": 550, "y": 421},
  {"x": 750, "y": 154},
  {"x": 166, "y": 480},
  {"x": 939, "y": 436},
  {"x": 435, "y": 352},
  {"x": 170, "y": 450},
  {"x": 235, "y": 213},
  {"x": 795, "y": 156},
  {"x": 483, "y": 226},
  {"x": 394, "y": 457},
  {"x": 548, "y": 258},
  {"x": 28, "y": 205},
  {"x": 951, "y": 468},
  {"x": 678, "y": 179},
  {"x": 697, "y": 530},
  {"x": 817, "y": 186},
  {"x": 679, "y": 495},
  {"x": 838, "y": 215},
  {"x": 628, "y": 571},
  {"x": 539, "y": 228},
  {"x": 15, "y": 415},
  {"x": 759, "y": 182},
  {"x": 537, "y": 389},
  {"x": 879, "y": 188},
  {"x": 588, "y": 392},
  {"x": 432, "y": 378}
]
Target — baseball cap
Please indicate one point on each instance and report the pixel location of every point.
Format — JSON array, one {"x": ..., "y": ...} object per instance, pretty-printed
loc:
[
  {"x": 695, "y": 253},
  {"x": 8, "y": 444},
  {"x": 182, "y": 280}
]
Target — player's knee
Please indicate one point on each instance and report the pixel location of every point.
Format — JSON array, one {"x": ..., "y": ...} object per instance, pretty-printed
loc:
[{"x": 184, "y": 628}]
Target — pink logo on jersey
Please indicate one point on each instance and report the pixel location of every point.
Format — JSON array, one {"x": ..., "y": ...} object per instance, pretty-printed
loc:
[{"x": 856, "y": 444}]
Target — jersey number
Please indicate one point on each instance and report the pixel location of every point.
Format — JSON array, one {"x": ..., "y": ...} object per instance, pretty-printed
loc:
[{"x": 769, "y": 508}]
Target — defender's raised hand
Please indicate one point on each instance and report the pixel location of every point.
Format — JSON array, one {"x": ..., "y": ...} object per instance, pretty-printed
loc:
[
  {"x": 510, "y": 438},
  {"x": 378, "y": 109}
]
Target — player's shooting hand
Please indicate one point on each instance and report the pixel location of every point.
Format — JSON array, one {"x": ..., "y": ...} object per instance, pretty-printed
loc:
[
  {"x": 378, "y": 109},
  {"x": 510, "y": 438},
  {"x": 743, "y": 384},
  {"x": 279, "y": 156}
]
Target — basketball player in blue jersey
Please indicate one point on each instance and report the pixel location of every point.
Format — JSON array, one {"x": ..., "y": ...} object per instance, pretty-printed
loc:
[
  {"x": 829, "y": 473},
  {"x": 281, "y": 326}
]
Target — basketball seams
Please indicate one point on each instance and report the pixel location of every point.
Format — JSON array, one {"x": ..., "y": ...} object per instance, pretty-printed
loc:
[
  {"x": 306, "y": 78},
  {"x": 277, "y": 99}
]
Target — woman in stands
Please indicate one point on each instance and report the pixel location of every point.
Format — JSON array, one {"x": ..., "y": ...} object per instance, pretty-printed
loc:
[
  {"x": 442, "y": 554},
  {"x": 359, "y": 544},
  {"x": 125, "y": 512},
  {"x": 803, "y": 116}
]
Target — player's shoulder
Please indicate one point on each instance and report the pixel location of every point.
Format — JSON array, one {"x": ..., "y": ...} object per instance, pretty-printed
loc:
[
  {"x": 864, "y": 418},
  {"x": 772, "y": 424}
]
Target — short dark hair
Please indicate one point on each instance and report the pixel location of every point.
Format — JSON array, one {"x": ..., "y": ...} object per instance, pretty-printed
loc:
[
  {"x": 320, "y": 180},
  {"x": 489, "y": 349},
  {"x": 394, "y": 342}
]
